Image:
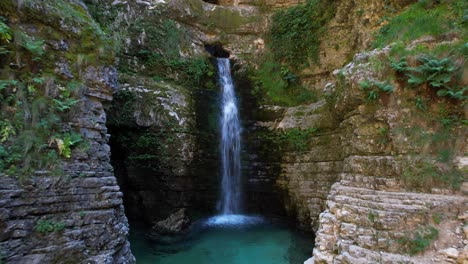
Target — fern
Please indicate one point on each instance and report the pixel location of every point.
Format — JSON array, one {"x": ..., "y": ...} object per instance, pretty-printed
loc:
[
  {"x": 373, "y": 95},
  {"x": 420, "y": 103},
  {"x": 66, "y": 104},
  {"x": 399, "y": 66},
  {"x": 35, "y": 47},
  {"x": 374, "y": 87},
  {"x": 64, "y": 143},
  {"x": 452, "y": 93},
  {"x": 384, "y": 86},
  {"x": 437, "y": 73},
  {"x": 415, "y": 80},
  {"x": 5, "y": 33}
]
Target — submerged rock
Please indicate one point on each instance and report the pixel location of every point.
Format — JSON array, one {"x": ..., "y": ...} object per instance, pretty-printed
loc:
[{"x": 176, "y": 223}]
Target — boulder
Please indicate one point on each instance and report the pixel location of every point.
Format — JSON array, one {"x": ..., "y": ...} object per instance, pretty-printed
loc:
[{"x": 174, "y": 224}]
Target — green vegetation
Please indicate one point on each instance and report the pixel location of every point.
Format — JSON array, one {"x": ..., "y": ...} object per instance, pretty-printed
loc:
[
  {"x": 30, "y": 129},
  {"x": 35, "y": 47},
  {"x": 48, "y": 226},
  {"x": 64, "y": 142},
  {"x": 161, "y": 55},
  {"x": 293, "y": 43},
  {"x": 433, "y": 74},
  {"x": 373, "y": 88},
  {"x": 437, "y": 218},
  {"x": 434, "y": 168},
  {"x": 37, "y": 103},
  {"x": 297, "y": 139},
  {"x": 417, "y": 241},
  {"x": 294, "y": 36},
  {"x": 383, "y": 135},
  {"x": 372, "y": 216},
  {"x": 426, "y": 17},
  {"x": 5, "y": 36},
  {"x": 426, "y": 174},
  {"x": 278, "y": 85},
  {"x": 148, "y": 148},
  {"x": 122, "y": 109},
  {"x": 443, "y": 76}
]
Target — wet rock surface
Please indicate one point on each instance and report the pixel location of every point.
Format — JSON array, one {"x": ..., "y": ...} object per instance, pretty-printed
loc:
[{"x": 176, "y": 223}]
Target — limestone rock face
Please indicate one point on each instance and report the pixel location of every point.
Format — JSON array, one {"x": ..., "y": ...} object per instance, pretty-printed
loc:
[
  {"x": 238, "y": 28},
  {"x": 348, "y": 33},
  {"x": 151, "y": 124},
  {"x": 374, "y": 212},
  {"x": 172, "y": 119},
  {"x": 78, "y": 215}
]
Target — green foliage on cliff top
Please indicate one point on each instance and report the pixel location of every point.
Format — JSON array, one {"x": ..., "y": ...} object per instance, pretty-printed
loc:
[
  {"x": 444, "y": 76},
  {"x": 426, "y": 17},
  {"x": 294, "y": 36}
]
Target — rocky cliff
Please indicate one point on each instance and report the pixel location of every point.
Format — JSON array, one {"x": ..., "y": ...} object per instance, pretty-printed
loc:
[
  {"x": 367, "y": 150},
  {"x": 394, "y": 191},
  {"x": 353, "y": 162},
  {"x": 60, "y": 202}
]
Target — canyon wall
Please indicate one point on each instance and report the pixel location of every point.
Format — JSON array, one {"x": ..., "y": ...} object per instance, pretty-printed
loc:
[
  {"x": 69, "y": 210},
  {"x": 351, "y": 168},
  {"x": 372, "y": 184},
  {"x": 372, "y": 172}
]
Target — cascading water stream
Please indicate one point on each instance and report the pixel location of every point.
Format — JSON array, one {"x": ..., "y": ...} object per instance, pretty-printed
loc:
[{"x": 230, "y": 143}]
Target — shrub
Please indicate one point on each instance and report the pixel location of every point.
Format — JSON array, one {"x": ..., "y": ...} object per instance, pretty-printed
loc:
[
  {"x": 435, "y": 72},
  {"x": 49, "y": 226},
  {"x": 417, "y": 241},
  {"x": 441, "y": 75},
  {"x": 278, "y": 85},
  {"x": 296, "y": 139},
  {"x": 373, "y": 88}
]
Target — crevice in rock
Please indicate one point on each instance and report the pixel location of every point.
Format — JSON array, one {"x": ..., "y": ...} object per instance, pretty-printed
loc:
[
  {"x": 217, "y": 50},
  {"x": 214, "y": 2}
]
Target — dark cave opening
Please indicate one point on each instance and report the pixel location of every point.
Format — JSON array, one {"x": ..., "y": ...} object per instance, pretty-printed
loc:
[
  {"x": 217, "y": 50},
  {"x": 214, "y": 2}
]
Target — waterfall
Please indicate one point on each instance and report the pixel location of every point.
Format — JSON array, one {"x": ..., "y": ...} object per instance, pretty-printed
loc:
[{"x": 230, "y": 143}]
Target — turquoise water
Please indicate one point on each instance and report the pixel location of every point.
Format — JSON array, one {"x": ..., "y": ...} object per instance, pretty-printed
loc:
[{"x": 259, "y": 243}]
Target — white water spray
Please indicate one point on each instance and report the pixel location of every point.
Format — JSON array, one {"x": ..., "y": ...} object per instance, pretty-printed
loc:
[{"x": 230, "y": 143}]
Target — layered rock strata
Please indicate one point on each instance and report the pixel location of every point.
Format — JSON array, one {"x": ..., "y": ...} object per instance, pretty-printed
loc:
[{"x": 76, "y": 214}]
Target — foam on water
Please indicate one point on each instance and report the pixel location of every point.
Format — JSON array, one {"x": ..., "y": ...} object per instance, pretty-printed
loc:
[{"x": 234, "y": 220}]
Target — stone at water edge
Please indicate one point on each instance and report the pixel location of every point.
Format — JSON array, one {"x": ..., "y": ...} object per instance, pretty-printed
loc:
[
  {"x": 309, "y": 261},
  {"x": 176, "y": 223}
]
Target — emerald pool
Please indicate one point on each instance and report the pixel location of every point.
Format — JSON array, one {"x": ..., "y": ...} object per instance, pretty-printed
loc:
[{"x": 233, "y": 239}]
